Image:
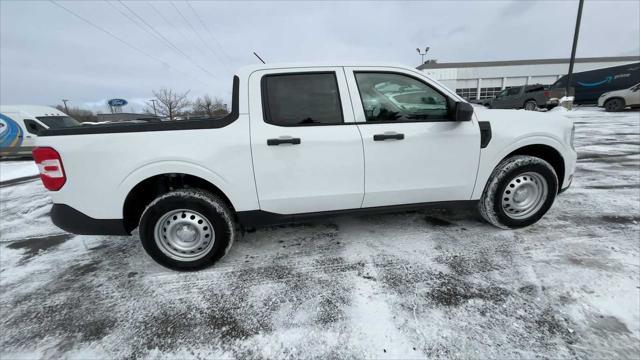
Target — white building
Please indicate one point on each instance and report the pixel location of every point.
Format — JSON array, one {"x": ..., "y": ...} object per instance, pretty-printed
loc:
[{"x": 481, "y": 80}]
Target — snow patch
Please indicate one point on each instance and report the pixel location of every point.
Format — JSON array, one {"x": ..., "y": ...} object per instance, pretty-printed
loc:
[{"x": 10, "y": 170}]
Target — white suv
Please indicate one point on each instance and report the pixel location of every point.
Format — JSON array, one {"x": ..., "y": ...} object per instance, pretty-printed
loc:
[{"x": 619, "y": 99}]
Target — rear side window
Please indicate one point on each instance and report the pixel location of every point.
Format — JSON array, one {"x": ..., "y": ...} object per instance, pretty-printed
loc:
[
  {"x": 57, "y": 122},
  {"x": 301, "y": 99},
  {"x": 32, "y": 126}
]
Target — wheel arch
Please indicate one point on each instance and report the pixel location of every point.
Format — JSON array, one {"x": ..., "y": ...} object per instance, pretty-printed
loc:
[
  {"x": 544, "y": 147},
  {"x": 546, "y": 153},
  {"x": 616, "y": 97},
  {"x": 146, "y": 190}
]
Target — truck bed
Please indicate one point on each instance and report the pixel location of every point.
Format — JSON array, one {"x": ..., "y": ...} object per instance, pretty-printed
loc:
[{"x": 154, "y": 126}]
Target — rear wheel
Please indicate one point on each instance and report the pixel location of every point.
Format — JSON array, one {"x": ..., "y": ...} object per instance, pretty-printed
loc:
[
  {"x": 519, "y": 192},
  {"x": 530, "y": 105},
  {"x": 187, "y": 229},
  {"x": 614, "y": 104}
]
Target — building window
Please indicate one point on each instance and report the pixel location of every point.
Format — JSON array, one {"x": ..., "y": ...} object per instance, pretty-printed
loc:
[
  {"x": 489, "y": 92},
  {"x": 468, "y": 93}
]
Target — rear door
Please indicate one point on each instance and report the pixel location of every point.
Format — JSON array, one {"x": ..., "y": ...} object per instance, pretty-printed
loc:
[
  {"x": 514, "y": 98},
  {"x": 414, "y": 152},
  {"x": 307, "y": 151}
]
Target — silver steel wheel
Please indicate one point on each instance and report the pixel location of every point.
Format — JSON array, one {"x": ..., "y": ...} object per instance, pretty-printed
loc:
[
  {"x": 530, "y": 105},
  {"x": 524, "y": 195},
  {"x": 184, "y": 235}
]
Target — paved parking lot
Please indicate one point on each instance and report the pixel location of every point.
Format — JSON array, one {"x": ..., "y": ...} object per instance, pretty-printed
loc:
[{"x": 438, "y": 283}]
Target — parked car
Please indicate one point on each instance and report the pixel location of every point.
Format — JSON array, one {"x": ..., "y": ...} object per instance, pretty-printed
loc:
[
  {"x": 19, "y": 125},
  {"x": 301, "y": 142},
  {"x": 528, "y": 97},
  {"x": 588, "y": 86},
  {"x": 619, "y": 99}
]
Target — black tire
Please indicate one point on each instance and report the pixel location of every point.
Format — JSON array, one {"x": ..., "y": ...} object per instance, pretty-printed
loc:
[
  {"x": 530, "y": 105},
  {"x": 491, "y": 205},
  {"x": 209, "y": 209},
  {"x": 615, "y": 104}
]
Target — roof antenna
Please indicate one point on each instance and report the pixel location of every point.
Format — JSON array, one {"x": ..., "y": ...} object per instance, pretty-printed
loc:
[{"x": 259, "y": 58}]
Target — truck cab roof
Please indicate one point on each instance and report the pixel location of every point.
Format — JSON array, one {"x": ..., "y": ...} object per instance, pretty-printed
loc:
[
  {"x": 245, "y": 71},
  {"x": 31, "y": 111}
]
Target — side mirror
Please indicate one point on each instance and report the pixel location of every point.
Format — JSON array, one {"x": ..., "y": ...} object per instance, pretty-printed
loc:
[{"x": 463, "y": 111}]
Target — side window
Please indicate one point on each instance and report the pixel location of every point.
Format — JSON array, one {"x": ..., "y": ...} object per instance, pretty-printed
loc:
[
  {"x": 301, "y": 99},
  {"x": 32, "y": 126},
  {"x": 397, "y": 97},
  {"x": 513, "y": 91}
]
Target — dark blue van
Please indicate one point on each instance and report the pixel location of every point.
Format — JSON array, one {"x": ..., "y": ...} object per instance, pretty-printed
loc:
[{"x": 589, "y": 85}]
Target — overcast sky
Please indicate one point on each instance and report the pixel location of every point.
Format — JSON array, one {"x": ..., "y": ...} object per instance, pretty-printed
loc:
[{"x": 47, "y": 54}]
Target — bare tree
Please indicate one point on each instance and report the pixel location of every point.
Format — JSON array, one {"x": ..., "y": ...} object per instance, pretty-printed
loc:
[
  {"x": 79, "y": 114},
  {"x": 169, "y": 104},
  {"x": 206, "y": 106}
]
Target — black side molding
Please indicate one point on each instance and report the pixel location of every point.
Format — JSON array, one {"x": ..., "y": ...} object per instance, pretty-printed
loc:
[
  {"x": 485, "y": 133},
  {"x": 71, "y": 220},
  {"x": 257, "y": 218},
  {"x": 155, "y": 126}
]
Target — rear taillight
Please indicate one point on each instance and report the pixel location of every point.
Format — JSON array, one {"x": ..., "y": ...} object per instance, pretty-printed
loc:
[
  {"x": 50, "y": 167},
  {"x": 546, "y": 94}
]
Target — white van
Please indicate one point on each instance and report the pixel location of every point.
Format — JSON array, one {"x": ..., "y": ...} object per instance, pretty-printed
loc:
[{"x": 19, "y": 126}]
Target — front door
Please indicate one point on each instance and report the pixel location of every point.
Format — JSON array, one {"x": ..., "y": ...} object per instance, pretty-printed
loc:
[
  {"x": 307, "y": 151},
  {"x": 414, "y": 152}
]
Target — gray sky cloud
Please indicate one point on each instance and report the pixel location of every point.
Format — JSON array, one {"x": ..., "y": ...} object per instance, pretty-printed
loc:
[{"x": 47, "y": 54}]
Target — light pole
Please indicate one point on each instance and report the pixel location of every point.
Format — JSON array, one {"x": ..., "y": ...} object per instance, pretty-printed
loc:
[
  {"x": 573, "y": 49},
  {"x": 65, "y": 106},
  {"x": 422, "y": 54}
]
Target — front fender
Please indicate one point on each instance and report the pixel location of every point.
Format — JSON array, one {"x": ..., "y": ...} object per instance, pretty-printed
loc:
[{"x": 491, "y": 156}]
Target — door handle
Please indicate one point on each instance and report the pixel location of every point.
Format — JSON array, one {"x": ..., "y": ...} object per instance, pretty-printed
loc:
[
  {"x": 388, "y": 136},
  {"x": 283, "y": 140}
]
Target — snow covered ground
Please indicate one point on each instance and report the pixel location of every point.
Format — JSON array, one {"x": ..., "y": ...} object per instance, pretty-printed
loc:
[
  {"x": 435, "y": 284},
  {"x": 11, "y": 170}
]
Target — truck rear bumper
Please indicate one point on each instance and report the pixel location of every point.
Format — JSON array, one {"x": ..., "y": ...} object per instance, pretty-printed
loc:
[
  {"x": 71, "y": 220},
  {"x": 552, "y": 103}
]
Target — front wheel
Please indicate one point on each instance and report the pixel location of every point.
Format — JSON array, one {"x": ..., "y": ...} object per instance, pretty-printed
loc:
[
  {"x": 520, "y": 191},
  {"x": 614, "y": 105},
  {"x": 187, "y": 229}
]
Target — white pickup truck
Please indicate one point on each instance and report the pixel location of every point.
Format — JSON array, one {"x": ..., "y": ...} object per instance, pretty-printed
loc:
[{"x": 303, "y": 141}]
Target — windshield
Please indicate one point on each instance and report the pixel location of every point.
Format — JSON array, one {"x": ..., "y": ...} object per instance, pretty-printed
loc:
[{"x": 56, "y": 122}]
